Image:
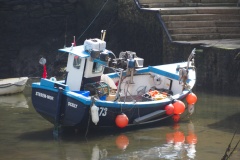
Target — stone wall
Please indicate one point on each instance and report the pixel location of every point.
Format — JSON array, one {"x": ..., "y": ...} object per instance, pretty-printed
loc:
[
  {"x": 28, "y": 29},
  {"x": 33, "y": 29},
  {"x": 140, "y": 32},
  {"x": 218, "y": 70}
]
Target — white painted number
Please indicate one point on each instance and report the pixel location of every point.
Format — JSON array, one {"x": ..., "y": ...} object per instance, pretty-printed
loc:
[{"x": 103, "y": 111}]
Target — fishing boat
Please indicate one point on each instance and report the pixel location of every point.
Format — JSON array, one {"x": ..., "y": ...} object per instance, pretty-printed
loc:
[
  {"x": 129, "y": 95},
  {"x": 12, "y": 85}
]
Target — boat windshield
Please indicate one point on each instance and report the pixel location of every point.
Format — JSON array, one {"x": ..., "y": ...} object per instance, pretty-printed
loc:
[{"x": 97, "y": 67}]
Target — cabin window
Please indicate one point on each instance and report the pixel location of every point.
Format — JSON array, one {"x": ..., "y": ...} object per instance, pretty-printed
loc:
[
  {"x": 97, "y": 68},
  {"x": 76, "y": 62}
]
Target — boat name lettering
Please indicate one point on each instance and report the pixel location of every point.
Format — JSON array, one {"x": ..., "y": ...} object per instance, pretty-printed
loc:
[
  {"x": 43, "y": 95},
  {"x": 72, "y": 105}
]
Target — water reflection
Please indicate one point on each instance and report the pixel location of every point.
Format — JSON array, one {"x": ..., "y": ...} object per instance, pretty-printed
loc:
[
  {"x": 14, "y": 101},
  {"x": 177, "y": 146},
  {"x": 25, "y": 134},
  {"x": 176, "y": 142},
  {"x": 122, "y": 141}
]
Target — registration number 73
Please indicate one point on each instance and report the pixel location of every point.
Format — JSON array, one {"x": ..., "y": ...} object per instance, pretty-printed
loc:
[{"x": 102, "y": 111}]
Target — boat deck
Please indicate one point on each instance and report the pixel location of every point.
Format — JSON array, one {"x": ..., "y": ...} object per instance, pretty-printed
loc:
[{"x": 136, "y": 98}]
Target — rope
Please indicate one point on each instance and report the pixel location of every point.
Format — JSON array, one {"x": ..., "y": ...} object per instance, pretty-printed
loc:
[
  {"x": 92, "y": 20},
  {"x": 89, "y": 117}
]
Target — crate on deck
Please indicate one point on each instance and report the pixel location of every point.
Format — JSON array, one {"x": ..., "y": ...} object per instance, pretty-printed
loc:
[{"x": 99, "y": 89}]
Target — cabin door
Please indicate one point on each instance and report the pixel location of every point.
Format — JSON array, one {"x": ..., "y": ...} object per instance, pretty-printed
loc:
[{"x": 75, "y": 68}]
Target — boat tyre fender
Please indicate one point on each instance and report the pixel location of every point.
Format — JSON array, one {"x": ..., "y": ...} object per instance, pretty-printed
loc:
[
  {"x": 94, "y": 114},
  {"x": 94, "y": 111},
  {"x": 157, "y": 80},
  {"x": 183, "y": 75}
]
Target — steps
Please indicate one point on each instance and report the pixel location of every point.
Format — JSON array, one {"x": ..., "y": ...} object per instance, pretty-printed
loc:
[
  {"x": 197, "y": 20},
  {"x": 186, "y": 3}
]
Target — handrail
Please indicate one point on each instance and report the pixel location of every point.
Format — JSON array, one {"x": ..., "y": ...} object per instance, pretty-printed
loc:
[
  {"x": 164, "y": 27},
  {"x": 159, "y": 17}
]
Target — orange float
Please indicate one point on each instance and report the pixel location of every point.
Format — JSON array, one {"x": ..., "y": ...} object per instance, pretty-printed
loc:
[
  {"x": 191, "y": 98},
  {"x": 169, "y": 109},
  {"x": 122, "y": 142},
  {"x": 121, "y": 120},
  {"x": 179, "y": 107}
]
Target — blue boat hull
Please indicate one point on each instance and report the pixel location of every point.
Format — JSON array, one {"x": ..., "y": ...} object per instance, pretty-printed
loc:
[
  {"x": 48, "y": 108},
  {"x": 69, "y": 111}
]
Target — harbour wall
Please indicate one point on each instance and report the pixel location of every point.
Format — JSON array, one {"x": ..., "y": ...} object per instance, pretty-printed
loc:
[{"x": 33, "y": 29}]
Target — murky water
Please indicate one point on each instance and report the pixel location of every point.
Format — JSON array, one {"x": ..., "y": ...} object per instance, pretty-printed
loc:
[{"x": 205, "y": 135}]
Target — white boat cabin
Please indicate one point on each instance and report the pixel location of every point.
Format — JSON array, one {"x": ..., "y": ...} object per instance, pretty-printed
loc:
[{"x": 85, "y": 63}]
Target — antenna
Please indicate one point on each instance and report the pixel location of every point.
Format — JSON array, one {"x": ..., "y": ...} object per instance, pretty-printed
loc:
[
  {"x": 103, "y": 33},
  {"x": 65, "y": 36}
]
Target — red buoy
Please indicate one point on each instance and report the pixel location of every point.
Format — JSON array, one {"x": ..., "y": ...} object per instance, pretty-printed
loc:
[
  {"x": 191, "y": 98},
  {"x": 121, "y": 120},
  {"x": 169, "y": 109},
  {"x": 179, "y": 107}
]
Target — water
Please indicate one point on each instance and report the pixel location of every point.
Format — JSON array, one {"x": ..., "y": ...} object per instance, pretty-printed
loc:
[{"x": 204, "y": 135}]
